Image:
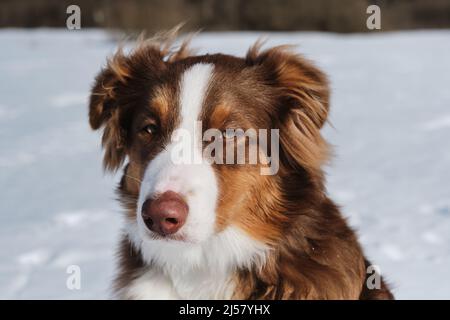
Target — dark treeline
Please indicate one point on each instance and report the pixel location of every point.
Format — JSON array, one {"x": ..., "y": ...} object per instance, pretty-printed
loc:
[{"x": 152, "y": 15}]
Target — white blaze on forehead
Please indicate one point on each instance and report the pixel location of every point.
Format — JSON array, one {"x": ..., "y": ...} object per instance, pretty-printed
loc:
[
  {"x": 196, "y": 182},
  {"x": 193, "y": 89}
]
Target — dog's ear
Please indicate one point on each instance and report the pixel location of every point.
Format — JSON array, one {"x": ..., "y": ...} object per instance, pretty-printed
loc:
[
  {"x": 113, "y": 86},
  {"x": 104, "y": 110},
  {"x": 102, "y": 102},
  {"x": 124, "y": 77},
  {"x": 303, "y": 103}
]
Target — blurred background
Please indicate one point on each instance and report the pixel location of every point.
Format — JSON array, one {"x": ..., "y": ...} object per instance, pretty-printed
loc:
[
  {"x": 390, "y": 116},
  {"x": 212, "y": 15}
]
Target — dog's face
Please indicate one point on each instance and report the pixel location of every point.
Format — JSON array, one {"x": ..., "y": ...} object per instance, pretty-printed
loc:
[{"x": 162, "y": 113}]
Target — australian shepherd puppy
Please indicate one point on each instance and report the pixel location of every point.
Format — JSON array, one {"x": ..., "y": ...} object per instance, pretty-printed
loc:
[{"x": 223, "y": 187}]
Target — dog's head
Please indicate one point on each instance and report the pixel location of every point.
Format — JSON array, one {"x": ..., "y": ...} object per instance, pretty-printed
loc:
[{"x": 162, "y": 110}]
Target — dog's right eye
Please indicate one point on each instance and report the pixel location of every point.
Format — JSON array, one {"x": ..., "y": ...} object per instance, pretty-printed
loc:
[{"x": 150, "y": 129}]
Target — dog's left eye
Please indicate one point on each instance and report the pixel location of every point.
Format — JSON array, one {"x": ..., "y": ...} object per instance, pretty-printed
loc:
[{"x": 150, "y": 128}]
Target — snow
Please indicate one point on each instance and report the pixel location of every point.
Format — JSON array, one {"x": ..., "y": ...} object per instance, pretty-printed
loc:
[{"x": 390, "y": 129}]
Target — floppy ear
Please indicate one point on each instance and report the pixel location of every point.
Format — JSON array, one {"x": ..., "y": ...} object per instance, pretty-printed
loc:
[
  {"x": 303, "y": 103},
  {"x": 125, "y": 77},
  {"x": 104, "y": 110}
]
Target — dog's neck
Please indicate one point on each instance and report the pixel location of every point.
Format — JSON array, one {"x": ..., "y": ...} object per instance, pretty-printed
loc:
[{"x": 161, "y": 270}]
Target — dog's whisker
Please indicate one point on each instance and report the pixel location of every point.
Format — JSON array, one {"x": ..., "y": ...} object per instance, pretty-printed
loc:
[{"x": 131, "y": 177}]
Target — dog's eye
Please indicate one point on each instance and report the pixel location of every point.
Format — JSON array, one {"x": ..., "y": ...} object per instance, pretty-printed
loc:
[{"x": 150, "y": 128}]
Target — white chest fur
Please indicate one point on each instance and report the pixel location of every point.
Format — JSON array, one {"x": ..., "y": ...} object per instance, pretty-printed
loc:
[{"x": 154, "y": 284}]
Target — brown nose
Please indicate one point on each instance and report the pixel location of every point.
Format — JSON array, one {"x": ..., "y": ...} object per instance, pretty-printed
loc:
[{"x": 166, "y": 214}]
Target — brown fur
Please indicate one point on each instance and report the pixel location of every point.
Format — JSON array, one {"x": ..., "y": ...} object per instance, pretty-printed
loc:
[{"x": 315, "y": 254}]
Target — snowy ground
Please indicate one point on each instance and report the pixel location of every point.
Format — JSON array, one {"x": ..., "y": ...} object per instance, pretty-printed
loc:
[{"x": 391, "y": 118}]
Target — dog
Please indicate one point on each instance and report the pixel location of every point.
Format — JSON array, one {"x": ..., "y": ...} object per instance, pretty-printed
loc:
[{"x": 216, "y": 230}]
